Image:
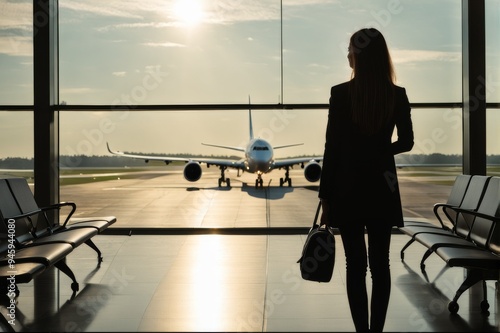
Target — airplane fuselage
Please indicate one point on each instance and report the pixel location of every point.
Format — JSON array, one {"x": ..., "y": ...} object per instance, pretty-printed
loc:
[{"x": 258, "y": 156}]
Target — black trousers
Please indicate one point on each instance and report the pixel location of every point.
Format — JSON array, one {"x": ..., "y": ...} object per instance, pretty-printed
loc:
[{"x": 358, "y": 256}]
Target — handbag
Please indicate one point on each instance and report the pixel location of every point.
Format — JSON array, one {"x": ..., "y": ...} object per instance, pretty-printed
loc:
[{"x": 318, "y": 254}]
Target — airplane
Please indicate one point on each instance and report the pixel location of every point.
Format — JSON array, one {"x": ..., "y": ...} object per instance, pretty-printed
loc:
[{"x": 258, "y": 159}]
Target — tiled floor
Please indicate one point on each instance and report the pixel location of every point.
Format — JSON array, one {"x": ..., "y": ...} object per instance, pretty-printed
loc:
[{"x": 193, "y": 283}]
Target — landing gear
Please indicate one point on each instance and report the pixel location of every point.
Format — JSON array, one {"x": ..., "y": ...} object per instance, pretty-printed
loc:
[
  {"x": 287, "y": 179},
  {"x": 259, "y": 182},
  {"x": 227, "y": 181},
  {"x": 222, "y": 178}
]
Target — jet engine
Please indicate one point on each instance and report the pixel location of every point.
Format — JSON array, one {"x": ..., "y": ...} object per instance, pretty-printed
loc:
[
  {"x": 192, "y": 171},
  {"x": 312, "y": 171}
]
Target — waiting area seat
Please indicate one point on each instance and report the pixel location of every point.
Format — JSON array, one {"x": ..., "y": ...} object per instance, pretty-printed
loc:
[
  {"x": 475, "y": 245},
  {"x": 466, "y": 192},
  {"x": 31, "y": 239}
]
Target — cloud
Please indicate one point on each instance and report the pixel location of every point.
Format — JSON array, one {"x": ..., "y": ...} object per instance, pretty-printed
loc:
[
  {"x": 126, "y": 8},
  {"x": 318, "y": 66},
  {"x": 136, "y": 25},
  {"x": 165, "y": 44},
  {"x": 413, "y": 56},
  {"x": 78, "y": 91},
  {"x": 159, "y": 14},
  {"x": 16, "y": 14},
  {"x": 16, "y": 45},
  {"x": 16, "y": 28},
  {"x": 119, "y": 74}
]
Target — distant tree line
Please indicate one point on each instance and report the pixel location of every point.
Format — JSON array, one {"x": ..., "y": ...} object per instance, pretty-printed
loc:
[
  {"x": 416, "y": 159},
  {"x": 84, "y": 161}
]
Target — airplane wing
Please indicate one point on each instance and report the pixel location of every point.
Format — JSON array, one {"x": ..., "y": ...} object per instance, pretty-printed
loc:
[
  {"x": 225, "y": 147},
  {"x": 237, "y": 164},
  {"x": 287, "y": 162},
  {"x": 286, "y": 146},
  {"x": 311, "y": 166}
]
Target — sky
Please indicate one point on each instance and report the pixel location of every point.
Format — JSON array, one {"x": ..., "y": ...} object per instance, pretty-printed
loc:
[{"x": 130, "y": 52}]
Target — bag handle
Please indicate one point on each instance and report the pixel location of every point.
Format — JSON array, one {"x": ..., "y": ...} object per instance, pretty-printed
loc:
[{"x": 315, "y": 222}]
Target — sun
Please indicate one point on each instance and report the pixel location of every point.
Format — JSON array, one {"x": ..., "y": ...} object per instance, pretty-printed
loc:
[{"x": 188, "y": 12}]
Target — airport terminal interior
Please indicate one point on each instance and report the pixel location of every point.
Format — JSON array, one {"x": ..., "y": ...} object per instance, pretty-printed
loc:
[
  {"x": 251, "y": 283},
  {"x": 207, "y": 254},
  {"x": 230, "y": 279}
]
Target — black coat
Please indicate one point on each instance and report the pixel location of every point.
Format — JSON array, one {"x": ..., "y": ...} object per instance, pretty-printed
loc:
[{"x": 359, "y": 177}]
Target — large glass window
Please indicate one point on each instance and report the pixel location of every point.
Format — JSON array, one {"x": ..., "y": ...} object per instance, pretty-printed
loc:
[
  {"x": 169, "y": 52},
  {"x": 493, "y": 139},
  {"x": 266, "y": 51},
  {"x": 16, "y": 84},
  {"x": 178, "y": 132},
  {"x": 493, "y": 84},
  {"x": 16, "y": 131},
  {"x": 427, "y": 59},
  {"x": 126, "y": 54},
  {"x": 16, "y": 52},
  {"x": 86, "y": 160},
  {"x": 492, "y": 51},
  {"x": 157, "y": 195},
  {"x": 437, "y": 131},
  {"x": 223, "y": 51}
]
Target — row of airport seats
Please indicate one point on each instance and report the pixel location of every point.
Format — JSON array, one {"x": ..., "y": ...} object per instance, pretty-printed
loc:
[
  {"x": 468, "y": 234},
  {"x": 31, "y": 242}
]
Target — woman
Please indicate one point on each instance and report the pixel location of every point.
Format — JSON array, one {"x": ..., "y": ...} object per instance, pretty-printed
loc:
[{"x": 359, "y": 186}]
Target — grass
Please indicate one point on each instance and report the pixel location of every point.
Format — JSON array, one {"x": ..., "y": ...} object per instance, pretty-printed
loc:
[
  {"x": 90, "y": 175},
  {"x": 84, "y": 175}
]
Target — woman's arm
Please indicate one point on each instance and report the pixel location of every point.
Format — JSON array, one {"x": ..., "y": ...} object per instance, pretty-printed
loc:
[{"x": 404, "y": 125}]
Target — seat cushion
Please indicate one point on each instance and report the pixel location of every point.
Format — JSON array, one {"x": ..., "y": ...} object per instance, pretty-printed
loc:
[
  {"x": 47, "y": 254},
  {"x": 74, "y": 237},
  {"x": 23, "y": 272},
  {"x": 469, "y": 258},
  {"x": 432, "y": 240},
  {"x": 100, "y": 223},
  {"x": 413, "y": 230}
]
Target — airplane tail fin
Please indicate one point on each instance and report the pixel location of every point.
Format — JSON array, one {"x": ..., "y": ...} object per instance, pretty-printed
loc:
[{"x": 250, "y": 118}]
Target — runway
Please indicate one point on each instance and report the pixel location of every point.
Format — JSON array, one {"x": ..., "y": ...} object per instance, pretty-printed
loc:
[{"x": 162, "y": 198}]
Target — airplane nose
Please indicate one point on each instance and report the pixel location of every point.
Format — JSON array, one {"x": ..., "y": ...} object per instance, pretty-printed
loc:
[
  {"x": 262, "y": 162},
  {"x": 264, "y": 165}
]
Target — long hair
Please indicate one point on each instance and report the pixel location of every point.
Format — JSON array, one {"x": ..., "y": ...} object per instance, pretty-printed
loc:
[{"x": 372, "y": 83}]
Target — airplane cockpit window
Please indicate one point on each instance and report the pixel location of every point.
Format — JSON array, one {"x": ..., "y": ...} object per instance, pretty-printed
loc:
[{"x": 260, "y": 148}]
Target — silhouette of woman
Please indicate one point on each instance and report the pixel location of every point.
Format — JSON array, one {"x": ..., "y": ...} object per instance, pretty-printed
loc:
[{"x": 359, "y": 186}]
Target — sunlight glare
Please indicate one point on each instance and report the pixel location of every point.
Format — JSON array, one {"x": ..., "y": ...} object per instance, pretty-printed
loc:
[
  {"x": 208, "y": 278},
  {"x": 188, "y": 12}
]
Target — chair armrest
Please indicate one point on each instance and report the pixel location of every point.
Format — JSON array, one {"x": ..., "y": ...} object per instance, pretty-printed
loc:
[
  {"x": 21, "y": 216},
  {"x": 24, "y": 215},
  {"x": 495, "y": 219},
  {"x": 442, "y": 206},
  {"x": 59, "y": 206}
]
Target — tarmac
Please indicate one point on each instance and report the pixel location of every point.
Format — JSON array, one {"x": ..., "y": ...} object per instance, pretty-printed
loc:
[{"x": 161, "y": 198}]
